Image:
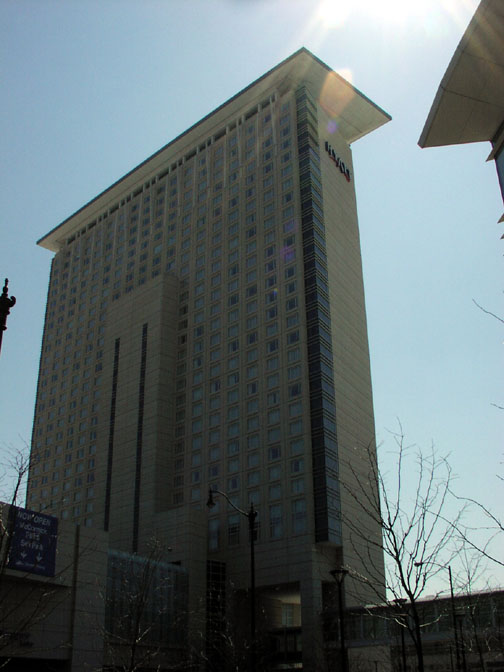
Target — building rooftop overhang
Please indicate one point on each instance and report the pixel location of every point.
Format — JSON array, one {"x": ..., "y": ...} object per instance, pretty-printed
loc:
[
  {"x": 469, "y": 104},
  {"x": 353, "y": 112}
]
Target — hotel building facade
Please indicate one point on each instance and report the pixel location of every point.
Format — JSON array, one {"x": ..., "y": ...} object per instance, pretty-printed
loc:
[{"x": 206, "y": 328}]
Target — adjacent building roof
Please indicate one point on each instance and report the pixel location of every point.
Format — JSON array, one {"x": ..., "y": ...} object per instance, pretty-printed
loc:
[{"x": 469, "y": 104}]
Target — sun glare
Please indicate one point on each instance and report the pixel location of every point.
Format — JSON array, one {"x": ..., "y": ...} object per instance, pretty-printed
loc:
[{"x": 332, "y": 14}]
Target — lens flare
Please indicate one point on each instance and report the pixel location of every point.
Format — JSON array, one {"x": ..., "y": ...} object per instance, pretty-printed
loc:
[{"x": 332, "y": 126}]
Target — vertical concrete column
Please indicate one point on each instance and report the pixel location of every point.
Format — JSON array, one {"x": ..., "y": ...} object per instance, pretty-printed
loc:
[
  {"x": 184, "y": 530},
  {"x": 314, "y": 659},
  {"x": 89, "y": 570}
]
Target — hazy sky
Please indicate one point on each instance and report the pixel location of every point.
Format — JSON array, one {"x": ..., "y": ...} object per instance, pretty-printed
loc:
[{"x": 90, "y": 88}]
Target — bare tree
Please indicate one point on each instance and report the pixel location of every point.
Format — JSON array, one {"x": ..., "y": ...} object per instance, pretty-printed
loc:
[
  {"x": 417, "y": 537},
  {"x": 494, "y": 529},
  {"x": 25, "y": 603},
  {"x": 12, "y": 479},
  {"x": 471, "y": 536},
  {"x": 145, "y": 612}
]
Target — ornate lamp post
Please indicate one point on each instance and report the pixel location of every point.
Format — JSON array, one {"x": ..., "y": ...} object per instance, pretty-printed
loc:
[
  {"x": 339, "y": 576},
  {"x": 251, "y": 516},
  {"x": 6, "y": 304}
]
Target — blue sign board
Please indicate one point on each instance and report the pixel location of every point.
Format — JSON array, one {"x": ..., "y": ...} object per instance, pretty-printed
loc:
[{"x": 33, "y": 541}]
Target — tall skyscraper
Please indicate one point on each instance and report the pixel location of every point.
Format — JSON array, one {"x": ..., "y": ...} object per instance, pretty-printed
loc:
[{"x": 206, "y": 328}]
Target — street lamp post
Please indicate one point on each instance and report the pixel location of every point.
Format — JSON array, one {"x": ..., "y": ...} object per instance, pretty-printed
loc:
[
  {"x": 339, "y": 576},
  {"x": 6, "y": 303},
  {"x": 251, "y": 516}
]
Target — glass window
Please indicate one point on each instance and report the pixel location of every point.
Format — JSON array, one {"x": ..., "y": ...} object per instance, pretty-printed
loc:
[
  {"x": 296, "y": 427},
  {"x": 295, "y": 409},
  {"x": 273, "y": 381},
  {"x": 233, "y": 527},
  {"x": 233, "y": 363},
  {"x": 252, "y": 388},
  {"x": 297, "y": 446},
  {"x": 214, "y": 420},
  {"x": 233, "y": 412},
  {"x": 275, "y": 516},
  {"x": 253, "y": 423},
  {"x": 298, "y": 516},
  {"x": 233, "y": 447},
  {"x": 214, "y": 436},
  {"x": 275, "y": 491},
  {"x": 233, "y": 465},
  {"x": 297, "y": 486},
  {"x": 297, "y": 466},
  {"x": 274, "y": 452},
  {"x": 232, "y": 396},
  {"x": 294, "y": 372},
  {"x": 252, "y": 460},
  {"x": 275, "y": 472},
  {"x": 274, "y": 416},
  {"x": 273, "y": 434},
  {"x": 272, "y": 364},
  {"x": 272, "y": 346},
  {"x": 233, "y": 429},
  {"x": 214, "y": 403},
  {"x": 213, "y": 534},
  {"x": 252, "y": 371},
  {"x": 253, "y": 478}
]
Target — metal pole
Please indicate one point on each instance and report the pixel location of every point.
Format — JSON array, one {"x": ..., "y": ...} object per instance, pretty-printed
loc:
[
  {"x": 454, "y": 618},
  {"x": 462, "y": 646},
  {"x": 339, "y": 576},
  {"x": 403, "y": 649},
  {"x": 253, "y": 655}
]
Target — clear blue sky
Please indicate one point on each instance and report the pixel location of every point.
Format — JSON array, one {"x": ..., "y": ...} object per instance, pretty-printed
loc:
[{"x": 90, "y": 88}]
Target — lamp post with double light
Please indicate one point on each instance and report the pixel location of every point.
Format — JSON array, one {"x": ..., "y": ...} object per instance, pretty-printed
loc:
[
  {"x": 400, "y": 602},
  {"x": 339, "y": 576},
  {"x": 452, "y": 603},
  {"x": 459, "y": 620},
  {"x": 251, "y": 516}
]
